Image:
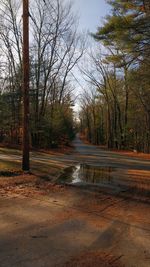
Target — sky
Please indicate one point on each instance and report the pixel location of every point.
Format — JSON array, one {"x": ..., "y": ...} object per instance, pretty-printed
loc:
[{"x": 91, "y": 13}]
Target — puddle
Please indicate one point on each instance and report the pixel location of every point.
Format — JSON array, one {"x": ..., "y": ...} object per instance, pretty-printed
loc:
[
  {"x": 83, "y": 173},
  {"x": 118, "y": 179}
]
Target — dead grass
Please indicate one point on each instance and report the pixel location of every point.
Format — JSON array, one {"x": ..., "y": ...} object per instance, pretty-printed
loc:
[
  {"x": 133, "y": 154},
  {"x": 26, "y": 185},
  {"x": 16, "y": 149}
]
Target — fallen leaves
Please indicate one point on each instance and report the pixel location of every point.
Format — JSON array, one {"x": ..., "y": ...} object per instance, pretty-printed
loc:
[
  {"x": 94, "y": 258},
  {"x": 27, "y": 185}
]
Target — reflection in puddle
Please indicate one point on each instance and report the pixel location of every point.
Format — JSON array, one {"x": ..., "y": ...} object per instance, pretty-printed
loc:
[
  {"x": 83, "y": 173},
  {"x": 92, "y": 174},
  {"x": 107, "y": 176}
]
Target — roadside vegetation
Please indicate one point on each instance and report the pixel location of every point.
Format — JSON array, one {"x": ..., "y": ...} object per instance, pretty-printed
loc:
[
  {"x": 115, "y": 110},
  {"x": 55, "y": 49},
  {"x": 115, "y": 105},
  {"x": 73, "y": 204}
]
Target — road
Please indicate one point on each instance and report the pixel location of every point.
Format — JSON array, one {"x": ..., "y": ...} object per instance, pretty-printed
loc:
[
  {"x": 60, "y": 226},
  {"x": 128, "y": 172},
  {"x": 92, "y": 154},
  {"x": 83, "y": 153}
]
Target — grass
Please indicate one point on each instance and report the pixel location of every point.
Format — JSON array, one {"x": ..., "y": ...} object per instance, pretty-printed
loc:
[
  {"x": 48, "y": 168},
  {"x": 9, "y": 165}
]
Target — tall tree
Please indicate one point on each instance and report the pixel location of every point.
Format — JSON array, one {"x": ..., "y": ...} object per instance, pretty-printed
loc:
[
  {"x": 120, "y": 73},
  {"x": 25, "y": 158},
  {"x": 55, "y": 49}
]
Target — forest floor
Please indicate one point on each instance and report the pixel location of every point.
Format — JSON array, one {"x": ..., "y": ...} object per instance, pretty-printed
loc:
[{"x": 43, "y": 223}]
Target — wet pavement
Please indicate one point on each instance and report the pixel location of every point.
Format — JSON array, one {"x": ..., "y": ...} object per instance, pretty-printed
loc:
[
  {"x": 48, "y": 229},
  {"x": 107, "y": 169},
  {"x": 91, "y": 154},
  {"x": 118, "y": 180}
]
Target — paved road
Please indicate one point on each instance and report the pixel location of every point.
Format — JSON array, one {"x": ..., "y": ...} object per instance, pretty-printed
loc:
[
  {"x": 132, "y": 174},
  {"x": 98, "y": 156},
  {"x": 84, "y": 153},
  {"x": 48, "y": 230}
]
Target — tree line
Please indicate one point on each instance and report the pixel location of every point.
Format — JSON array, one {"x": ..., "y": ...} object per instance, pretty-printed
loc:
[
  {"x": 116, "y": 110},
  {"x": 55, "y": 49}
]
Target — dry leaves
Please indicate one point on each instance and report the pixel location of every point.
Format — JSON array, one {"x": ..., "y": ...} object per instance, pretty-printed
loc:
[{"x": 94, "y": 259}]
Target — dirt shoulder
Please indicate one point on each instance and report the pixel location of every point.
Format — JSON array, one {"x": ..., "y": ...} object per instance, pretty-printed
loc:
[{"x": 45, "y": 224}]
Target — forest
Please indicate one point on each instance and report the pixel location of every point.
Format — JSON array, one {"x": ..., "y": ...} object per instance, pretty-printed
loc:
[
  {"x": 115, "y": 105},
  {"x": 55, "y": 48},
  {"x": 116, "y": 110},
  {"x": 74, "y": 133}
]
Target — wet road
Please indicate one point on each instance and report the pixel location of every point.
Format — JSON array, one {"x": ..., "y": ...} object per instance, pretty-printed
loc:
[
  {"x": 48, "y": 230},
  {"x": 98, "y": 156},
  {"x": 83, "y": 153}
]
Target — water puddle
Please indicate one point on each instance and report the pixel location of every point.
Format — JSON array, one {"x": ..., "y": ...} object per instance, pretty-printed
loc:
[
  {"x": 87, "y": 174},
  {"x": 118, "y": 179}
]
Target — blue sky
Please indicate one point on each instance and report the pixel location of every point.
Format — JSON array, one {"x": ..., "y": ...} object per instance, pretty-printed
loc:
[{"x": 91, "y": 13}]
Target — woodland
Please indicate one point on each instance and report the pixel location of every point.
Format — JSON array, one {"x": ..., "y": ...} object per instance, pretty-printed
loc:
[
  {"x": 55, "y": 48},
  {"x": 115, "y": 104},
  {"x": 116, "y": 112}
]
